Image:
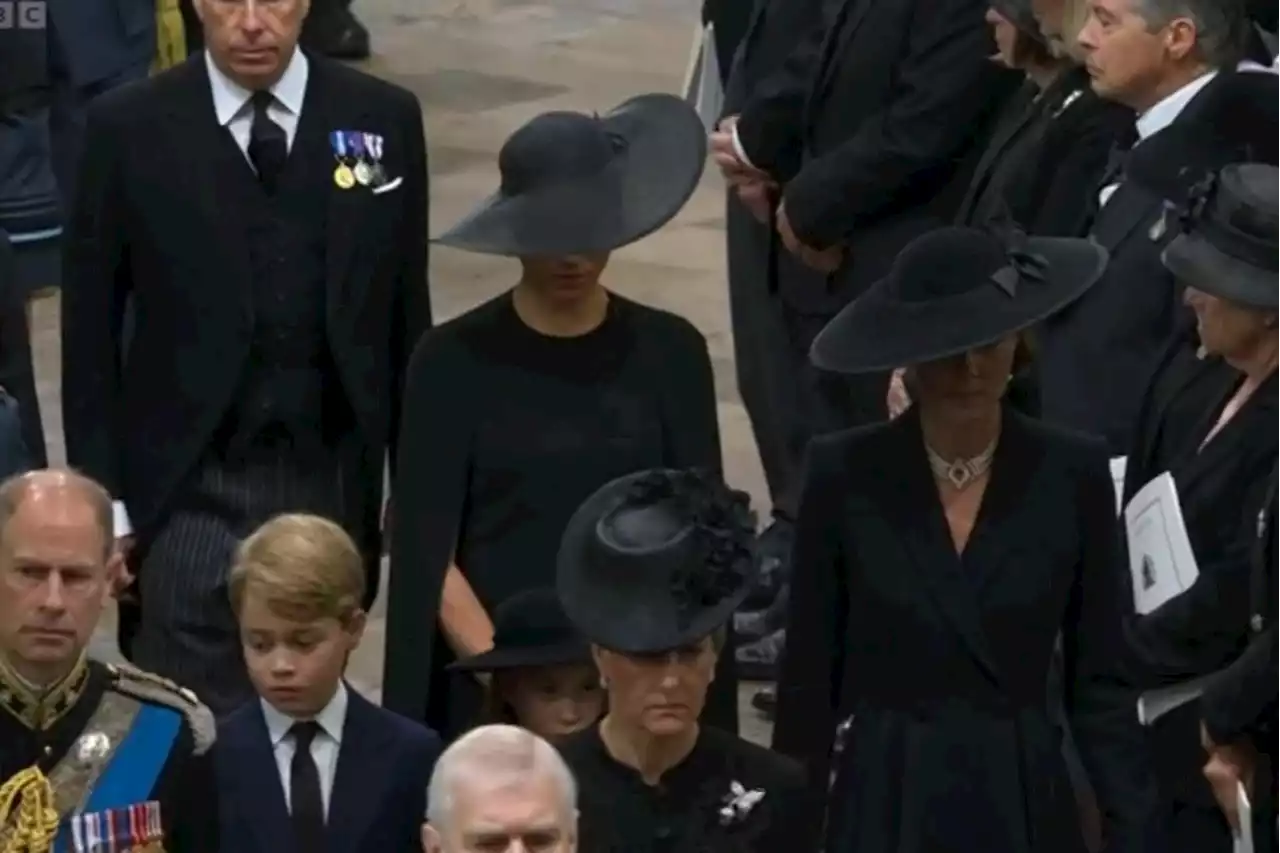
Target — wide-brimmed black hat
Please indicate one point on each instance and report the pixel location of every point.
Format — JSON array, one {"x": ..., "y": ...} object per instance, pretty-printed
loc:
[
  {"x": 1228, "y": 241},
  {"x": 955, "y": 289},
  {"x": 656, "y": 560},
  {"x": 575, "y": 184},
  {"x": 529, "y": 629}
]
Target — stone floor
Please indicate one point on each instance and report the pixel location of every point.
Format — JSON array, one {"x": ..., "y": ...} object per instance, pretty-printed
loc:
[{"x": 482, "y": 68}]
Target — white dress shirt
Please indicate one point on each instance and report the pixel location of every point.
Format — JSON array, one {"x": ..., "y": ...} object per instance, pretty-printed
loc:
[
  {"x": 231, "y": 105},
  {"x": 324, "y": 749}
]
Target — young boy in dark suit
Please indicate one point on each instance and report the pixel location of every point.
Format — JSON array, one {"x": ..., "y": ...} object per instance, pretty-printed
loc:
[{"x": 311, "y": 766}]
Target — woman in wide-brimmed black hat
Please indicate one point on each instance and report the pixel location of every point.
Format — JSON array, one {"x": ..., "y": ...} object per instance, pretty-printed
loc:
[
  {"x": 541, "y": 676},
  {"x": 944, "y": 554},
  {"x": 650, "y": 570},
  {"x": 1208, "y": 419},
  {"x": 520, "y": 408}
]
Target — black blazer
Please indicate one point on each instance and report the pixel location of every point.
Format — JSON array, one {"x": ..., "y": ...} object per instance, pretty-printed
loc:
[
  {"x": 776, "y": 28},
  {"x": 17, "y": 374},
  {"x": 938, "y": 664},
  {"x": 1221, "y": 488},
  {"x": 1046, "y": 158},
  {"x": 1095, "y": 356},
  {"x": 379, "y": 797},
  {"x": 890, "y": 104},
  {"x": 149, "y": 223}
]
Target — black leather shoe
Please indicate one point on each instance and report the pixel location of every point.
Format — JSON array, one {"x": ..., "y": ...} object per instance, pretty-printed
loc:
[
  {"x": 758, "y": 661},
  {"x": 766, "y": 702},
  {"x": 336, "y": 33}
]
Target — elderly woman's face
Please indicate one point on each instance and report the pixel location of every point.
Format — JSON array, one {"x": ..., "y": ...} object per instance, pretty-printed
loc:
[
  {"x": 662, "y": 694},
  {"x": 1006, "y": 38},
  {"x": 972, "y": 381},
  {"x": 1228, "y": 329},
  {"x": 553, "y": 701},
  {"x": 567, "y": 279}
]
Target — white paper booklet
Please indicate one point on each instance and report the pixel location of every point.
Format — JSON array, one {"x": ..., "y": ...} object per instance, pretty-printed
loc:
[
  {"x": 1161, "y": 562},
  {"x": 1243, "y": 842},
  {"x": 1117, "y": 477},
  {"x": 1154, "y": 704}
]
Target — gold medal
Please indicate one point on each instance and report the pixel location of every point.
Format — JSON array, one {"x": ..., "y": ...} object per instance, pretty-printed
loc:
[
  {"x": 343, "y": 177},
  {"x": 363, "y": 173}
]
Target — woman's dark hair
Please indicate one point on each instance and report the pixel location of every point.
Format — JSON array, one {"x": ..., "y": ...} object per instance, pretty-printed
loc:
[
  {"x": 495, "y": 709},
  {"x": 1029, "y": 50}
]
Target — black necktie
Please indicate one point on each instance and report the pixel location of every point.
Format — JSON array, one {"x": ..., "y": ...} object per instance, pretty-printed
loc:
[
  {"x": 268, "y": 143},
  {"x": 305, "y": 801}
]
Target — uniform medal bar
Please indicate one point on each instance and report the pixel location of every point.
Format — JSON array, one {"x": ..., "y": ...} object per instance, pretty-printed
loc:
[
  {"x": 362, "y": 170},
  {"x": 373, "y": 144},
  {"x": 343, "y": 177}
]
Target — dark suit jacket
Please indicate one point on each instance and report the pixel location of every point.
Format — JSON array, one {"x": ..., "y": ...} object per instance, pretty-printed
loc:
[
  {"x": 379, "y": 798},
  {"x": 775, "y": 29},
  {"x": 892, "y": 103},
  {"x": 17, "y": 374},
  {"x": 1221, "y": 487},
  {"x": 149, "y": 223},
  {"x": 938, "y": 663},
  {"x": 1096, "y": 355},
  {"x": 1046, "y": 158},
  {"x": 100, "y": 39}
]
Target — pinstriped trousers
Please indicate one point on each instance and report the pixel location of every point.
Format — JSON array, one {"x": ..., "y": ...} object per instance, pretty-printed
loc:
[{"x": 187, "y": 631}]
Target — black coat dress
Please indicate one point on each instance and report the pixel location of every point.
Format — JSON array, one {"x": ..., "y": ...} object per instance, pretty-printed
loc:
[
  {"x": 619, "y": 813},
  {"x": 1221, "y": 487},
  {"x": 934, "y": 666},
  {"x": 506, "y": 432}
]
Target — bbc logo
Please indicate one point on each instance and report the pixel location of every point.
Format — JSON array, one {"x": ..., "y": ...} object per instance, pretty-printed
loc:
[{"x": 22, "y": 14}]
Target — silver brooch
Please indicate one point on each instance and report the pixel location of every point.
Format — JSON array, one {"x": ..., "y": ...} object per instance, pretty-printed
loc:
[
  {"x": 93, "y": 746},
  {"x": 738, "y": 803}
]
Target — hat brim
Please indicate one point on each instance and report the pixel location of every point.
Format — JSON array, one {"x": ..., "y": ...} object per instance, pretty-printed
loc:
[
  {"x": 878, "y": 333},
  {"x": 559, "y": 654},
  {"x": 639, "y": 618},
  {"x": 659, "y": 169},
  {"x": 1195, "y": 261}
]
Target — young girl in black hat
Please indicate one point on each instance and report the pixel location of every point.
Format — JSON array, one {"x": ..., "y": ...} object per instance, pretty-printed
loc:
[
  {"x": 944, "y": 554},
  {"x": 541, "y": 676}
]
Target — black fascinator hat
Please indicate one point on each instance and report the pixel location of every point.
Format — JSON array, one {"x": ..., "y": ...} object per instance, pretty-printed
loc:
[
  {"x": 576, "y": 184},
  {"x": 656, "y": 560}
]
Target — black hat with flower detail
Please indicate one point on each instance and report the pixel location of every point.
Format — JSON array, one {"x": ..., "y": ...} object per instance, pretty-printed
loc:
[{"x": 656, "y": 560}]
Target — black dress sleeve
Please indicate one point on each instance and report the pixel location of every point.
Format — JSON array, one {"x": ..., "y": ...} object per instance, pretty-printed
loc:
[
  {"x": 812, "y": 670},
  {"x": 1100, "y": 700},
  {"x": 690, "y": 427},
  {"x": 1241, "y": 701},
  {"x": 430, "y": 489}
]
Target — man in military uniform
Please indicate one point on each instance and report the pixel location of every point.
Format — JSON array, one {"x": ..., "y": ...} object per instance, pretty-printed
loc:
[{"x": 92, "y": 756}]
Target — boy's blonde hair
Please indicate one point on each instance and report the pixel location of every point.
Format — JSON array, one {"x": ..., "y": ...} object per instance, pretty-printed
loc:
[{"x": 305, "y": 567}]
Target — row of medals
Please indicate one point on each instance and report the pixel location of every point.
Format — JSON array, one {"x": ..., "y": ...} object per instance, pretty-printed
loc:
[{"x": 364, "y": 173}]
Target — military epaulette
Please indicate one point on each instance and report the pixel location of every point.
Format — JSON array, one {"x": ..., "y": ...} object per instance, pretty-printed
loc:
[{"x": 149, "y": 687}]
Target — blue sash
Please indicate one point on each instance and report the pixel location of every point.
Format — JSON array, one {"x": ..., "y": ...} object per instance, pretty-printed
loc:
[{"x": 131, "y": 774}]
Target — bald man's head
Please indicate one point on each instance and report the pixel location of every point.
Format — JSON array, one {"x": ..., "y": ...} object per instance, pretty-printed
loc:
[
  {"x": 57, "y": 565},
  {"x": 501, "y": 782}
]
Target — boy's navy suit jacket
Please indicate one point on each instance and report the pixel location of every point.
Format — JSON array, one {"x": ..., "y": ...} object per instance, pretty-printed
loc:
[{"x": 379, "y": 797}]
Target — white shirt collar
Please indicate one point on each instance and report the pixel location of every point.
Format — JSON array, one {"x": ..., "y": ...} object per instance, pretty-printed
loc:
[
  {"x": 229, "y": 97},
  {"x": 331, "y": 718},
  {"x": 1166, "y": 110}
]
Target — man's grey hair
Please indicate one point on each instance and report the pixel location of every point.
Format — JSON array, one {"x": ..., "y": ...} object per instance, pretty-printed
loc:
[
  {"x": 495, "y": 755},
  {"x": 16, "y": 489},
  {"x": 1222, "y": 26}
]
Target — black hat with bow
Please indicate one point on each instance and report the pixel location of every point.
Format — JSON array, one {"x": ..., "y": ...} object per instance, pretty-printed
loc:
[
  {"x": 575, "y": 184},
  {"x": 529, "y": 629},
  {"x": 656, "y": 560},
  {"x": 953, "y": 290}
]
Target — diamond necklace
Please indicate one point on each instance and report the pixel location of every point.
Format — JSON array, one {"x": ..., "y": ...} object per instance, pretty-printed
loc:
[{"x": 961, "y": 473}]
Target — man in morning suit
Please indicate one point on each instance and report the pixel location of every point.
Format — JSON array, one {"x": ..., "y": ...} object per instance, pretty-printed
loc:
[
  {"x": 311, "y": 765},
  {"x": 125, "y": 750},
  {"x": 1170, "y": 61},
  {"x": 266, "y": 211},
  {"x": 863, "y": 140}
]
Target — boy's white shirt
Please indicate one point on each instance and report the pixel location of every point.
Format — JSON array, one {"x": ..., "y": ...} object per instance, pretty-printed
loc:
[{"x": 324, "y": 749}]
